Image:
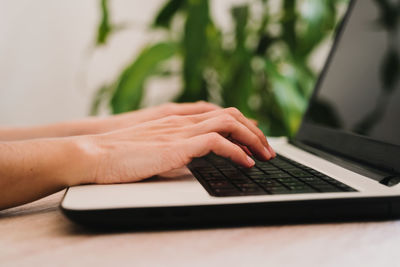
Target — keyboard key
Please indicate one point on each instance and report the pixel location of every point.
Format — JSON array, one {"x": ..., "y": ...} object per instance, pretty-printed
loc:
[
  {"x": 298, "y": 173},
  {"x": 253, "y": 190},
  {"x": 278, "y": 175},
  {"x": 220, "y": 184},
  {"x": 277, "y": 190}
]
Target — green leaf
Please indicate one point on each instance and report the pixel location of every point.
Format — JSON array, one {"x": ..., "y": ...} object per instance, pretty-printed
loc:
[
  {"x": 129, "y": 89},
  {"x": 288, "y": 23},
  {"x": 167, "y": 13},
  {"x": 105, "y": 27},
  {"x": 100, "y": 95},
  {"x": 240, "y": 15},
  {"x": 195, "y": 50},
  {"x": 239, "y": 86},
  {"x": 287, "y": 96},
  {"x": 316, "y": 24}
]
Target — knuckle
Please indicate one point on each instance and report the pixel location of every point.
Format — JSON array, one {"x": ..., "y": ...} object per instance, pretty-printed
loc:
[
  {"x": 234, "y": 111},
  {"x": 202, "y": 102},
  {"x": 213, "y": 138},
  {"x": 227, "y": 119},
  {"x": 260, "y": 134}
]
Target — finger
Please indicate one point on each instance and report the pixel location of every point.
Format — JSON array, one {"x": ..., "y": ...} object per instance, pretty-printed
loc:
[
  {"x": 245, "y": 149},
  {"x": 255, "y": 122},
  {"x": 193, "y": 108},
  {"x": 249, "y": 123},
  {"x": 227, "y": 126},
  {"x": 202, "y": 145},
  {"x": 238, "y": 116}
]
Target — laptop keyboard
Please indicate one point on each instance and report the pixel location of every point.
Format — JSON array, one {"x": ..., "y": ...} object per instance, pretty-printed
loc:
[{"x": 222, "y": 178}]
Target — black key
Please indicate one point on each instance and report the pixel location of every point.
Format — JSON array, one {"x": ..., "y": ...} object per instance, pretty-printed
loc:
[
  {"x": 198, "y": 162},
  {"x": 277, "y": 175},
  {"x": 304, "y": 190},
  {"x": 240, "y": 180},
  {"x": 253, "y": 190},
  {"x": 224, "y": 192},
  {"x": 213, "y": 179},
  {"x": 268, "y": 182},
  {"x": 216, "y": 176},
  {"x": 296, "y": 187},
  {"x": 246, "y": 185},
  {"x": 326, "y": 188},
  {"x": 269, "y": 168},
  {"x": 261, "y": 180},
  {"x": 237, "y": 176},
  {"x": 227, "y": 168},
  {"x": 277, "y": 190},
  {"x": 298, "y": 173},
  {"x": 309, "y": 180},
  {"x": 206, "y": 169},
  {"x": 258, "y": 176},
  {"x": 288, "y": 180},
  {"x": 271, "y": 173},
  {"x": 221, "y": 184},
  {"x": 252, "y": 171}
]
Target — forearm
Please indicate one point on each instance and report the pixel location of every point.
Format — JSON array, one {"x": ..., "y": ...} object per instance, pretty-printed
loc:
[
  {"x": 63, "y": 129},
  {"x": 33, "y": 169}
]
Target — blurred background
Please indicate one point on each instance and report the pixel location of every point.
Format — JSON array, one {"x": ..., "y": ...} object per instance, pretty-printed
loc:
[{"x": 67, "y": 59}]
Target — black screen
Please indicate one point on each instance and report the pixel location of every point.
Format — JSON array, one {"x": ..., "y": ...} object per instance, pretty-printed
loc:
[{"x": 360, "y": 91}]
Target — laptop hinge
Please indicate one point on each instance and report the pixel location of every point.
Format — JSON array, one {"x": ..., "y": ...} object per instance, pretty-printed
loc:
[{"x": 382, "y": 176}]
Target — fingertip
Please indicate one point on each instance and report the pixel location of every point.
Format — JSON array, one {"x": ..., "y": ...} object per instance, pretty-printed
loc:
[
  {"x": 267, "y": 153},
  {"x": 250, "y": 161},
  {"x": 255, "y": 122},
  {"x": 271, "y": 150}
]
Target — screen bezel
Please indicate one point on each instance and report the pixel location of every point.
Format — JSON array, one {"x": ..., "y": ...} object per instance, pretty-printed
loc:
[{"x": 349, "y": 145}]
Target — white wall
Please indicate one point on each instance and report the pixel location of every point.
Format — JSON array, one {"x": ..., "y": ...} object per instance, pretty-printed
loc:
[{"x": 46, "y": 72}]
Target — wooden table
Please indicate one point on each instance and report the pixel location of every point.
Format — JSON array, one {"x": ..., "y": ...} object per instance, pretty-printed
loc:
[{"x": 37, "y": 234}]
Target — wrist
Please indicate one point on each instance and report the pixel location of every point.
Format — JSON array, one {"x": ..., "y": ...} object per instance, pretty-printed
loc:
[{"x": 84, "y": 154}]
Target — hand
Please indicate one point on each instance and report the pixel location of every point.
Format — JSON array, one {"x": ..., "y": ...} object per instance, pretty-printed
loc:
[
  {"x": 103, "y": 125},
  {"x": 158, "y": 146}
]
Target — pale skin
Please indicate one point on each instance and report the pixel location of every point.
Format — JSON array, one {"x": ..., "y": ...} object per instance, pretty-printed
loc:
[{"x": 38, "y": 161}]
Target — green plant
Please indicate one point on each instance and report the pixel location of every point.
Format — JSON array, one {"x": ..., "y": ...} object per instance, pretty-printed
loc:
[{"x": 260, "y": 66}]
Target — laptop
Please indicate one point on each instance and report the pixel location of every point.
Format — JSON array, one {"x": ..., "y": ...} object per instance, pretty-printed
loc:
[{"x": 343, "y": 164}]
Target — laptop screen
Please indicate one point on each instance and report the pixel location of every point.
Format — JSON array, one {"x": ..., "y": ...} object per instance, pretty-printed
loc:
[{"x": 359, "y": 93}]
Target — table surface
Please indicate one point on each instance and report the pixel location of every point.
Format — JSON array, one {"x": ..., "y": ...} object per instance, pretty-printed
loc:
[{"x": 37, "y": 234}]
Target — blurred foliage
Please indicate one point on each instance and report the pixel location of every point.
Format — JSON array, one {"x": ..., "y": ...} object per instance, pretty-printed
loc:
[
  {"x": 261, "y": 65},
  {"x": 104, "y": 28}
]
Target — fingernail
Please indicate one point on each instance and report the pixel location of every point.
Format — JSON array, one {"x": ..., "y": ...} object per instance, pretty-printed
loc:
[
  {"x": 272, "y": 151},
  {"x": 268, "y": 153},
  {"x": 250, "y": 161}
]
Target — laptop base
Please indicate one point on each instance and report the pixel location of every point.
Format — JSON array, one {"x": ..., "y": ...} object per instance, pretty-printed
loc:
[{"x": 264, "y": 213}]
